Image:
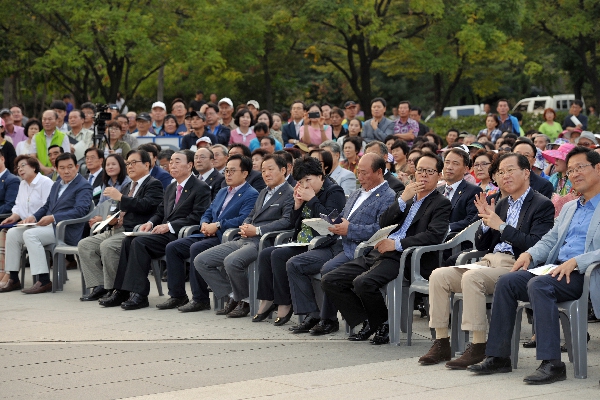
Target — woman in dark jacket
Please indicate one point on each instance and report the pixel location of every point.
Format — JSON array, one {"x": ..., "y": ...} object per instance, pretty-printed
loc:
[{"x": 314, "y": 194}]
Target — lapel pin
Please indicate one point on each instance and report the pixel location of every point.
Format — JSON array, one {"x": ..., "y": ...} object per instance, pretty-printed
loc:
[
  {"x": 239, "y": 195},
  {"x": 460, "y": 192},
  {"x": 185, "y": 191},
  {"x": 279, "y": 192},
  {"x": 377, "y": 195}
]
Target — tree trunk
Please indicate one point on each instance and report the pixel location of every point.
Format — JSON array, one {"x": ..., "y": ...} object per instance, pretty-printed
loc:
[
  {"x": 578, "y": 86},
  {"x": 437, "y": 95},
  {"x": 160, "y": 90}
]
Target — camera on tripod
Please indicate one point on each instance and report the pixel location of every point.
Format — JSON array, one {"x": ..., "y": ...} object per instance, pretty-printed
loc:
[{"x": 102, "y": 115}]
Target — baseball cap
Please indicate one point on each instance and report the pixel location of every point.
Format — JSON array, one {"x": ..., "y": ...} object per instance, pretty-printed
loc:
[
  {"x": 5, "y": 111},
  {"x": 476, "y": 145},
  {"x": 253, "y": 103},
  {"x": 226, "y": 100},
  {"x": 159, "y": 104},
  {"x": 113, "y": 107},
  {"x": 197, "y": 114},
  {"x": 203, "y": 139},
  {"x": 144, "y": 117},
  {"x": 349, "y": 103}
]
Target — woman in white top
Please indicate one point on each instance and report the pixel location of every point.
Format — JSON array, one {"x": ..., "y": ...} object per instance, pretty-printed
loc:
[
  {"x": 32, "y": 127},
  {"x": 33, "y": 193}
]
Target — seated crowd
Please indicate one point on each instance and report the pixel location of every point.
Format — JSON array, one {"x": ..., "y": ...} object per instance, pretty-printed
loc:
[{"x": 259, "y": 173}]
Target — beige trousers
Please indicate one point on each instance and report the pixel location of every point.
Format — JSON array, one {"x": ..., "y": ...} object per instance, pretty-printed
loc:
[{"x": 474, "y": 284}]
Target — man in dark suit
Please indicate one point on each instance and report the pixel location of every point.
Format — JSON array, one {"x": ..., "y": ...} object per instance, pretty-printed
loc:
[
  {"x": 422, "y": 214},
  {"x": 289, "y": 132},
  {"x": 255, "y": 178},
  {"x": 137, "y": 201},
  {"x": 69, "y": 198},
  {"x": 203, "y": 161},
  {"x": 525, "y": 147},
  {"x": 380, "y": 148},
  {"x": 93, "y": 161},
  {"x": 185, "y": 200},
  {"x": 228, "y": 210},
  {"x": 289, "y": 159},
  {"x": 271, "y": 212},
  {"x": 156, "y": 171},
  {"x": 509, "y": 228},
  {"x": 9, "y": 187},
  {"x": 360, "y": 218}
]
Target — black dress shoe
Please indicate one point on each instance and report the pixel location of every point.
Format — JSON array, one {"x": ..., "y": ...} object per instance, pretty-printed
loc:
[
  {"x": 135, "y": 302},
  {"x": 382, "y": 336},
  {"x": 530, "y": 344},
  {"x": 547, "y": 373},
  {"x": 365, "y": 333},
  {"x": 96, "y": 294},
  {"x": 229, "y": 307},
  {"x": 194, "y": 306},
  {"x": 173, "y": 302},
  {"x": 305, "y": 326},
  {"x": 115, "y": 299},
  {"x": 491, "y": 365},
  {"x": 564, "y": 349},
  {"x": 284, "y": 320},
  {"x": 325, "y": 327},
  {"x": 262, "y": 316}
]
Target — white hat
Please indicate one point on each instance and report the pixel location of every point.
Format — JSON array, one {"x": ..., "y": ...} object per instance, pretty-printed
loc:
[
  {"x": 159, "y": 104},
  {"x": 204, "y": 139},
  {"x": 226, "y": 100},
  {"x": 253, "y": 103}
]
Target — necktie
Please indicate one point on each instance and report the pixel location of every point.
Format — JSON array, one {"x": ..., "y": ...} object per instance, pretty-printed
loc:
[
  {"x": 448, "y": 191},
  {"x": 130, "y": 194},
  {"x": 91, "y": 179},
  {"x": 178, "y": 195},
  {"x": 201, "y": 178}
]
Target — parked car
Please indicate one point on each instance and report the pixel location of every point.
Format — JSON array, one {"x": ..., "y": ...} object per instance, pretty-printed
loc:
[
  {"x": 459, "y": 111},
  {"x": 537, "y": 105}
]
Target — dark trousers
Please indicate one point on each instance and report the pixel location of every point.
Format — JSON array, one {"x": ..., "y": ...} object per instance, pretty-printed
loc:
[
  {"x": 135, "y": 261},
  {"x": 543, "y": 292},
  {"x": 273, "y": 281},
  {"x": 177, "y": 252},
  {"x": 354, "y": 287}
]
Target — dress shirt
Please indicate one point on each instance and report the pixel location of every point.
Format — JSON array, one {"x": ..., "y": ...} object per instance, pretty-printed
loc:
[
  {"x": 298, "y": 126},
  {"x": 574, "y": 244},
  {"x": 414, "y": 208},
  {"x": 139, "y": 183},
  {"x": 66, "y": 145},
  {"x": 410, "y": 125},
  {"x": 17, "y": 135},
  {"x": 512, "y": 219},
  {"x": 231, "y": 191},
  {"x": 454, "y": 186},
  {"x": 364, "y": 195},
  {"x": 271, "y": 192},
  {"x": 93, "y": 176},
  {"x": 64, "y": 186},
  {"x": 84, "y": 135},
  {"x": 182, "y": 184},
  {"x": 206, "y": 174},
  {"x": 32, "y": 196},
  {"x": 3, "y": 173}
]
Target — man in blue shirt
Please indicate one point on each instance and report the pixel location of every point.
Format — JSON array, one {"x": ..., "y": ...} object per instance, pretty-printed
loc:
[{"x": 573, "y": 244}]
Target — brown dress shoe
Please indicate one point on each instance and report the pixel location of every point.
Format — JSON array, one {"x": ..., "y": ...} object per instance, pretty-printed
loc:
[
  {"x": 229, "y": 307},
  {"x": 240, "y": 311},
  {"x": 38, "y": 288},
  {"x": 440, "y": 351},
  {"x": 10, "y": 286},
  {"x": 474, "y": 354}
]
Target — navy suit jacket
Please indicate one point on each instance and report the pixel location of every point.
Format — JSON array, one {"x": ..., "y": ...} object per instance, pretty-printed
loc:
[
  {"x": 464, "y": 212},
  {"x": 234, "y": 214},
  {"x": 541, "y": 185},
  {"x": 163, "y": 176},
  {"x": 9, "y": 187},
  {"x": 215, "y": 182},
  {"x": 73, "y": 203},
  {"x": 289, "y": 132}
]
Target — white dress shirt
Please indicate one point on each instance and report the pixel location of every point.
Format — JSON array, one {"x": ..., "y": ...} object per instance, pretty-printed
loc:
[
  {"x": 32, "y": 196},
  {"x": 364, "y": 195}
]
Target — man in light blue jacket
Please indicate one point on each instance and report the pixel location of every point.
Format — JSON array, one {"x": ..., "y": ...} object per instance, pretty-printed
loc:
[{"x": 573, "y": 244}]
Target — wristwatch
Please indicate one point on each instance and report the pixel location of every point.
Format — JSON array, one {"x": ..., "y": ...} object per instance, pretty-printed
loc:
[
  {"x": 501, "y": 227},
  {"x": 218, "y": 225}
]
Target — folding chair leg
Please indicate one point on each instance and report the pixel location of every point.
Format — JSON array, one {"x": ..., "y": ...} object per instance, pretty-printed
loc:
[
  {"x": 514, "y": 354},
  {"x": 157, "y": 272},
  {"x": 409, "y": 317},
  {"x": 579, "y": 340}
]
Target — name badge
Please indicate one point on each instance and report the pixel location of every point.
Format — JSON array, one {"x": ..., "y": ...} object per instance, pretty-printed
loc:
[{"x": 97, "y": 190}]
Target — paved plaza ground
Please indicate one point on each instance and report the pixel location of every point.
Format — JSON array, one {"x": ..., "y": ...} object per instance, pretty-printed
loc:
[{"x": 53, "y": 346}]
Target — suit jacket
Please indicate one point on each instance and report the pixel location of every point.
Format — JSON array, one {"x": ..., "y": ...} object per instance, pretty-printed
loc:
[
  {"x": 9, "y": 188},
  {"x": 234, "y": 214},
  {"x": 428, "y": 227},
  {"x": 385, "y": 128},
  {"x": 535, "y": 220},
  {"x": 215, "y": 182},
  {"x": 330, "y": 197},
  {"x": 194, "y": 200},
  {"x": 290, "y": 179},
  {"x": 364, "y": 222},
  {"x": 73, "y": 203},
  {"x": 541, "y": 185},
  {"x": 163, "y": 176},
  {"x": 395, "y": 183},
  {"x": 289, "y": 132},
  {"x": 345, "y": 178},
  {"x": 546, "y": 250},
  {"x": 97, "y": 183},
  {"x": 140, "y": 208},
  {"x": 464, "y": 212},
  {"x": 276, "y": 214}
]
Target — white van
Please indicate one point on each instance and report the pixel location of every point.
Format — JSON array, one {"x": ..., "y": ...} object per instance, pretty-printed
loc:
[
  {"x": 537, "y": 105},
  {"x": 459, "y": 111}
]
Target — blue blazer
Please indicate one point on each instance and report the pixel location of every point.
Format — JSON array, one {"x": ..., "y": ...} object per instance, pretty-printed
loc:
[
  {"x": 237, "y": 210},
  {"x": 9, "y": 187},
  {"x": 163, "y": 176},
  {"x": 74, "y": 203},
  {"x": 464, "y": 212}
]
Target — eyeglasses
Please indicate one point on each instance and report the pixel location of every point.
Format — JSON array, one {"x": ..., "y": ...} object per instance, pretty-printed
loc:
[
  {"x": 231, "y": 171},
  {"x": 412, "y": 160},
  {"x": 504, "y": 149},
  {"x": 21, "y": 166},
  {"x": 508, "y": 172},
  {"x": 132, "y": 163},
  {"x": 427, "y": 171},
  {"x": 577, "y": 169},
  {"x": 481, "y": 165}
]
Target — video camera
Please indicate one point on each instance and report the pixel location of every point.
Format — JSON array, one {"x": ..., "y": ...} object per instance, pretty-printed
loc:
[{"x": 102, "y": 115}]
